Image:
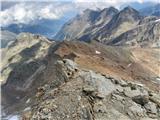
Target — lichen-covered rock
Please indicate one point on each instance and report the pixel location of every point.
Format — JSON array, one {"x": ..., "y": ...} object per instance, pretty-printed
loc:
[
  {"x": 151, "y": 109},
  {"x": 141, "y": 99},
  {"x": 99, "y": 83},
  {"x": 67, "y": 68},
  {"x": 136, "y": 111},
  {"x": 155, "y": 98},
  {"x": 130, "y": 92}
]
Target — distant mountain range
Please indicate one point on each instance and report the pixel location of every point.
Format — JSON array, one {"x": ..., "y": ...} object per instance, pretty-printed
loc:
[
  {"x": 45, "y": 27},
  {"x": 112, "y": 26},
  {"x": 50, "y": 28},
  {"x": 7, "y": 37},
  {"x": 87, "y": 21}
]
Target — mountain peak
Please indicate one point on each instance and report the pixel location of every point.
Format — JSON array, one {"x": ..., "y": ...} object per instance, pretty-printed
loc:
[
  {"x": 108, "y": 13},
  {"x": 129, "y": 14},
  {"x": 129, "y": 9},
  {"x": 88, "y": 11},
  {"x": 90, "y": 15},
  {"x": 110, "y": 10}
]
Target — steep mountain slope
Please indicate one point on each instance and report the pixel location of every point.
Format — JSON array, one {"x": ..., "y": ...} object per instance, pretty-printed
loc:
[
  {"x": 76, "y": 25},
  {"x": 144, "y": 35},
  {"x": 148, "y": 19},
  {"x": 6, "y": 37},
  {"x": 104, "y": 26},
  {"x": 125, "y": 20},
  {"x": 89, "y": 21},
  {"x": 105, "y": 16}
]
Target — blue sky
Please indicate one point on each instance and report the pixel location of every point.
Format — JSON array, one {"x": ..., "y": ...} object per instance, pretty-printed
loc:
[{"x": 26, "y": 11}]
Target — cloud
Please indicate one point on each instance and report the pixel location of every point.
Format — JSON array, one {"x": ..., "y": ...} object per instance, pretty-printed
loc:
[
  {"x": 27, "y": 12},
  {"x": 105, "y": 3},
  {"x": 115, "y": 1}
]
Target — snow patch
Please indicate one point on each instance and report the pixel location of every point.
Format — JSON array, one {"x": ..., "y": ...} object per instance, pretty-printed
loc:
[
  {"x": 28, "y": 100},
  {"x": 157, "y": 20},
  {"x": 97, "y": 52},
  {"x": 27, "y": 109},
  {"x": 129, "y": 65},
  {"x": 14, "y": 117}
]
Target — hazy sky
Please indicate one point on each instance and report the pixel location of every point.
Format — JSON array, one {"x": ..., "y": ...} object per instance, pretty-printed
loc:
[{"x": 28, "y": 11}]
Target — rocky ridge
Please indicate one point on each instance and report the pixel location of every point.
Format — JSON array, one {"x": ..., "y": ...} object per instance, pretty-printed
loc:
[
  {"x": 78, "y": 80},
  {"x": 86, "y": 95}
]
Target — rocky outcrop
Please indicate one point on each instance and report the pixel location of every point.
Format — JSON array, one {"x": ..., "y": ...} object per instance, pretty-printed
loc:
[{"x": 86, "y": 95}]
